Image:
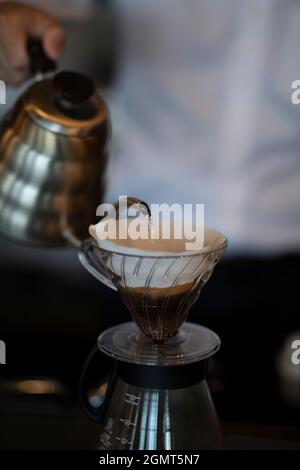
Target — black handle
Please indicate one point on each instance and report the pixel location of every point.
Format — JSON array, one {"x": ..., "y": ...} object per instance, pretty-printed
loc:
[
  {"x": 39, "y": 61},
  {"x": 96, "y": 413}
]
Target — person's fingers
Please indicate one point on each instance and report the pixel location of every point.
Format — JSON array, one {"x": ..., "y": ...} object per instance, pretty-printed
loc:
[
  {"x": 14, "y": 76},
  {"x": 49, "y": 30},
  {"x": 14, "y": 57},
  {"x": 19, "y": 23},
  {"x": 53, "y": 42},
  {"x": 16, "y": 50},
  {"x": 17, "y": 76}
]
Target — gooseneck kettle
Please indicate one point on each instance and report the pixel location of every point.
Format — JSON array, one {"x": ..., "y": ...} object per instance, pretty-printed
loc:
[{"x": 53, "y": 154}]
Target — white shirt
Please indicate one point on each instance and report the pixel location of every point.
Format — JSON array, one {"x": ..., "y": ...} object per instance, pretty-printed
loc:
[{"x": 205, "y": 114}]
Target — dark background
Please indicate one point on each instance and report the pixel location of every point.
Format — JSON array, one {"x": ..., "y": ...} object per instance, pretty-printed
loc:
[
  {"x": 51, "y": 312},
  {"x": 50, "y": 323}
]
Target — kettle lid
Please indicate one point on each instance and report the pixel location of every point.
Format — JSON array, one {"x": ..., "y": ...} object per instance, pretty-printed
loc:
[{"x": 66, "y": 104}]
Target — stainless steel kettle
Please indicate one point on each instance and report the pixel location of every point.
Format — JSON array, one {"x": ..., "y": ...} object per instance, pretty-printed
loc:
[{"x": 53, "y": 154}]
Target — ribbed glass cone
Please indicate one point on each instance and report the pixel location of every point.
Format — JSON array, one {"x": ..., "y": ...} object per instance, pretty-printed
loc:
[
  {"x": 160, "y": 311},
  {"x": 158, "y": 288}
]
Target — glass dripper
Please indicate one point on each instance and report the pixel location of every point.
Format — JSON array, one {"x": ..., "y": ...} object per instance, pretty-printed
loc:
[{"x": 159, "y": 288}]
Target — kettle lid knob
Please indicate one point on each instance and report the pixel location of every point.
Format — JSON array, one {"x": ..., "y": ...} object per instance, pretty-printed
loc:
[
  {"x": 72, "y": 89},
  {"x": 66, "y": 103}
]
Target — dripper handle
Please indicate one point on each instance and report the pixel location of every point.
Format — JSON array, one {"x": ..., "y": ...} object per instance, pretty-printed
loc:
[{"x": 96, "y": 269}]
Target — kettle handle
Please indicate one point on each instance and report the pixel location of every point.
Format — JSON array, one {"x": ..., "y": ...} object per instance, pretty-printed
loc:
[
  {"x": 40, "y": 63},
  {"x": 96, "y": 413}
]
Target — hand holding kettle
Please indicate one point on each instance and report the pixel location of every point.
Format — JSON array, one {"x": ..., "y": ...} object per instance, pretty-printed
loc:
[
  {"x": 53, "y": 142},
  {"x": 19, "y": 23}
]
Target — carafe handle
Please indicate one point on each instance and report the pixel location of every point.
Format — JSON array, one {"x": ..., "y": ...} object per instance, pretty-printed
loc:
[
  {"x": 96, "y": 413},
  {"x": 96, "y": 268}
]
